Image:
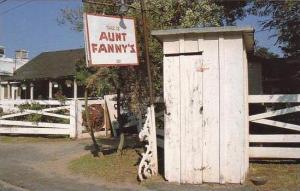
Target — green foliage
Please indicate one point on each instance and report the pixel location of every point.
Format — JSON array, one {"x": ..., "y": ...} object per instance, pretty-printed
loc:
[
  {"x": 60, "y": 97},
  {"x": 283, "y": 16},
  {"x": 161, "y": 14},
  {"x": 264, "y": 53},
  {"x": 32, "y": 117}
]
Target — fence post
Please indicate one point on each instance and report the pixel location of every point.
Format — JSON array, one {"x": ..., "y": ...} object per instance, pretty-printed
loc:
[
  {"x": 79, "y": 119},
  {"x": 73, "y": 118}
]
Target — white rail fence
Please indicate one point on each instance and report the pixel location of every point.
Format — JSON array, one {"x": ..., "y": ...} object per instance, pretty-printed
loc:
[
  {"x": 270, "y": 138},
  {"x": 67, "y": 116}
]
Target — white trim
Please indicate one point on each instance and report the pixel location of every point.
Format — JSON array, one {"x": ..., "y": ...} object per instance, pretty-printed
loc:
[
  {"x": 45, "y": 131},
  {"x": 34, "y": 124},
  {"x": 277, "y": 138},
  {"x": 278, "y": 124},
  {"x": 279, "y": 98},
  {"x": 274, "y": 152},
  {"x": 274, "y": 113}
]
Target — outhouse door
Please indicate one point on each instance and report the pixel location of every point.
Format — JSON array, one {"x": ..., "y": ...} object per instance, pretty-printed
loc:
[{"x": 191, "y": 93}]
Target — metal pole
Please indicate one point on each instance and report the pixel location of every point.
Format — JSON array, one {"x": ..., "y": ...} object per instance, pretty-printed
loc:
[{"x": 147, "y": 59}]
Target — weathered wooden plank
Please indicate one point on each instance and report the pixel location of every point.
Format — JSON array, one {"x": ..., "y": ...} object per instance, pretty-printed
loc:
[
  {"x": 274, "y": 152},
  {"x": 33, "y": 124},
  {"x": 274, "y": 113},
  {"x": 14, "y": 115},
  {"x": 40, "y": 131},
  {"x": 73, "y": 119},
  {"x": 278, "y": 124},
  {"x": 41, "y": 102},
  {"x": 232, "y": 108},
  {"x": 277, "y": 138},
  {"x": 246, "y": 114},
  {"x": 211, "y": 110},
  {"x": 191, "y": 119},
  {"x": 172, "y": 119},
  {"x": 275, "y": 98},
  {"x": 28, "y": 112}
]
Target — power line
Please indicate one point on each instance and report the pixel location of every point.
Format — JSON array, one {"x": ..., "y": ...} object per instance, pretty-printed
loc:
[{"x": 13, "y": 8}]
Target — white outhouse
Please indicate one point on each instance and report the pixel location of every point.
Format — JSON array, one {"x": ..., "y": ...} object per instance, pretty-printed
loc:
[{"x": 205, "y": 92}]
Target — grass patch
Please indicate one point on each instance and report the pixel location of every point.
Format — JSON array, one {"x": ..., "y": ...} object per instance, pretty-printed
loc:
[
  {"x": 280, "y": 176},
  {"x": 30, "y": 139},
  {"x": 111, "y": 168}
]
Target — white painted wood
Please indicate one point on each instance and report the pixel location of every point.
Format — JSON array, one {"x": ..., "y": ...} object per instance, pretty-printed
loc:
[
  {"x": 278, "y": 124},
  {"x": 277, "y": 138},
  {"x": 172, "y": 119},
  {"x": 73, "y": 118},
  {"x": 79, "y": 121},
  {"x": 50, "y": 89},
  {"x": 41, "y": 102},
  {"x": 31, "y": 91},
  {"x": 2, "y": 90},
  {"x": 8, "y": 91},
  {"x": 191, "y": 44},
  {"x": 171, "y": 45},
  {"x": 222, "y": 141},
  {"x": 211, "y": 110},
  {"x": 232, "y": 108},
  {"x": 245, "y": 167},
  {"x": 282, "y": 98},
  {"x": 40, "y": 131},
  {"x": 154, "y": 141},
  {"x": 33, "y": 124},
  {"x": 223, "y": 138},
  {"x": 274, "y": 113},
  {"x": 274, "y": 152},
  {"x": 191, "y": 119},
  {"x": 75, "y": 89},
  {"x": 14, "y": 115},
  {"x": 27, "y": 112}
]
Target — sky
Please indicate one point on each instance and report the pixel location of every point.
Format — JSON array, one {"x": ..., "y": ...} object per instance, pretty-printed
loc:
[{"x": 32, "y": 25}]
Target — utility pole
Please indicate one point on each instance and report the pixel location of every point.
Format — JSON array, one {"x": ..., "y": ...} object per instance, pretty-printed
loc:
[{"x": 146, "y": 47}]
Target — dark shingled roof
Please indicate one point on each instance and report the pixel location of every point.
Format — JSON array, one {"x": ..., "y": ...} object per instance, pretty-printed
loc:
[{"x": 50, "y": 65}]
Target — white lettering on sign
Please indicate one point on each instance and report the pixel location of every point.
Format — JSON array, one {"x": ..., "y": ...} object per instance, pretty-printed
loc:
[{"x": 110, "y": 41}]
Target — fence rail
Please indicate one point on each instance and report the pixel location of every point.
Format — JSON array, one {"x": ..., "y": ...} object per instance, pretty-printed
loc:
[
  {"x": 72, "y": 115},
  {"x": 287, "y": 151}
]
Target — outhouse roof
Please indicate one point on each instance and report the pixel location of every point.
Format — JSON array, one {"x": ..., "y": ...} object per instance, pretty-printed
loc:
[
  {"x": 248, "y": 32},
  {"x": 50, "y": 65}
]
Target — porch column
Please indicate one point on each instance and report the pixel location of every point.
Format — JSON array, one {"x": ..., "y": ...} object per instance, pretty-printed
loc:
[
  {"x": 13, "y": 92},
  {"x": 2, "y": 92},
  {"x": 31, "y": 91},
  {"x": 50, "y": 89},
  {"x": 75, "y": 89},
  {"x": 8, "y": 91}
]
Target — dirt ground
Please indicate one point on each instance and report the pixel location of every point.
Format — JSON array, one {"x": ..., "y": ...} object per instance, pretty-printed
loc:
[{"x": 39, "y": 164}]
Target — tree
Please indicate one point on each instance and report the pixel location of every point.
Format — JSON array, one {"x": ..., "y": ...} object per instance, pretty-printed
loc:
[
  {"x": 284, "y": 17},
  {"x": 264, "y": 53},
  {"x": 162, "y": 14}
]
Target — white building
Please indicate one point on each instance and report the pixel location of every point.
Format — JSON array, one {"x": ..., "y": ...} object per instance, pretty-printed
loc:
[{"x": 7, "y": 68}]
